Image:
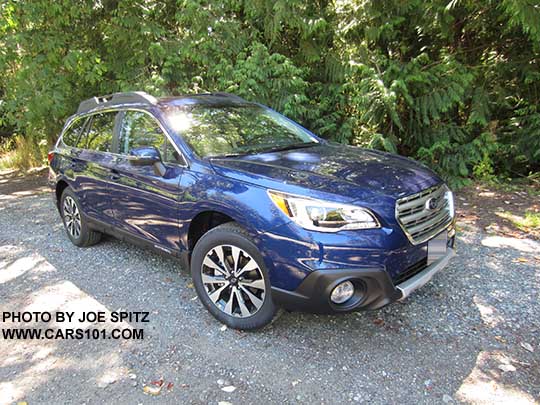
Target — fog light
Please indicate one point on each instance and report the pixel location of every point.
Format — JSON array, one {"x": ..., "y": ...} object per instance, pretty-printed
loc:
[{"x": 342, "y": 292}]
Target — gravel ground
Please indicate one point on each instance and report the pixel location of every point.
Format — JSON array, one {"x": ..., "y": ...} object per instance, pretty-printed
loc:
[{"x": 471, "y": 335}]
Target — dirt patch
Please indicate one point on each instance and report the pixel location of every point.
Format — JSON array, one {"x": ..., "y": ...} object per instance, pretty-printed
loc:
[
  {"x": 498, "y": 211},
  {"x": 16, "y": 183}
]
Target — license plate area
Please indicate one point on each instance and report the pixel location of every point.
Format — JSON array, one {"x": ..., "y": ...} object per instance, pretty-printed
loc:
[{"x": 437, "y": 247}]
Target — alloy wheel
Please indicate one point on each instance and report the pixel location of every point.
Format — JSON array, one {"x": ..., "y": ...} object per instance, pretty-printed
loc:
[
  {"x": 72, "y": 217},
  {"x": 233, "y": 281}
]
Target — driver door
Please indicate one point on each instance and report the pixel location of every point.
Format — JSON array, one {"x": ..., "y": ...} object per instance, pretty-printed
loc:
[{"x": 145, "y": 202}]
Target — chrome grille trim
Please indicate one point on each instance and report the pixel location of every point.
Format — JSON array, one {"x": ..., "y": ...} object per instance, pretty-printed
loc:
[{"x": 419, "y": 223}]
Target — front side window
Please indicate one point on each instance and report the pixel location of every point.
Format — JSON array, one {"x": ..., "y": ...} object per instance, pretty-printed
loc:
[
  {"x": 99, "y": 135},
  {"x": 141, "y": 130},
  {"x": 213, "y": 131},
  {"x": 72, "y": 134}
]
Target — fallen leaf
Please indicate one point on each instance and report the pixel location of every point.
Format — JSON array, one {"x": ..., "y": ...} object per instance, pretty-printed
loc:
[
  {"x": 158, "y": 383},
  {"x": 378, "y": 321},
  {"x": 507, "y": 367},
  {"x": 241, "y": 334},
  {"x": 500, "y": 339},
  {"x": 229, "y": 388},
  {"x": 189, "y": 285},
  {"x": 152, "y": 390},
  {"x": 170, "y": 386},
  {"x": 523, "y": 260},
  {"x": 447, "y": 398},
  {"x": 527, "y": 346},
  {"x": 22, "y": 403}
]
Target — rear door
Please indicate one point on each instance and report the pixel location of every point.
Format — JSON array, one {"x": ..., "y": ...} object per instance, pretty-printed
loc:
[
  {"x": 145, "y": 203},
  {"x": 91, "y": 164}
]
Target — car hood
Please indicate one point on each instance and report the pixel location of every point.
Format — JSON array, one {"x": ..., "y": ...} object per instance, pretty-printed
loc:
[{"x": 354, "y": 173}]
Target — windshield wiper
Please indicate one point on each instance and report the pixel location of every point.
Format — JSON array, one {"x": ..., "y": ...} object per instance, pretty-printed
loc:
[
  {"x": 227, "y": 155},
  {"x": 289, "y": 147},
  {"x": 269, "y": 150}
]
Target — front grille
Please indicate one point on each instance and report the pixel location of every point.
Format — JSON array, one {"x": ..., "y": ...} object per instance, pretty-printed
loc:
[
  {"x": 425, "y": 214},
  {"x": 411, "y": 271}
]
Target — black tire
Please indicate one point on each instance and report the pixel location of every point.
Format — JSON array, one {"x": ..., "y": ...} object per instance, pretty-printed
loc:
[
  {"x": 231, "y": 234},
  {"x": 86, "y": 236}
]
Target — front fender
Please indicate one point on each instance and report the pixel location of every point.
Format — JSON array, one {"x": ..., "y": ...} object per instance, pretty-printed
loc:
[{"x": 245, "y": 203}]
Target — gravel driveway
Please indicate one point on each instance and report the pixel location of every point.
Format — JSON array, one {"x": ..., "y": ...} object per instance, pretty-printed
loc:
[{"x": 471, "y": 335}]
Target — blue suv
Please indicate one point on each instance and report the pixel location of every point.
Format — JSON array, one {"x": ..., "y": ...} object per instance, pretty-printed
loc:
[{"x": 263, "y": 212}]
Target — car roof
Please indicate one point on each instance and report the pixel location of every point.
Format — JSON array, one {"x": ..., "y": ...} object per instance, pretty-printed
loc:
[
  {"x": 211, "y": 99},
  {"x": 138, "y": 98}
]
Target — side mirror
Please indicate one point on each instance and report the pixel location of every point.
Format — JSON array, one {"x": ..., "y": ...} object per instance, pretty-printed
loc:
[{"x": 144, "y": 156}]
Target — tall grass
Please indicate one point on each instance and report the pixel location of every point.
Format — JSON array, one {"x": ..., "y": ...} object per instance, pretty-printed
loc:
[{"x": 22, "y": 153}]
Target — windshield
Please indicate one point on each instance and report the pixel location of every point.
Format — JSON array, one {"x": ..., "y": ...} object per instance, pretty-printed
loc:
[{"x": 213, "y": 131}]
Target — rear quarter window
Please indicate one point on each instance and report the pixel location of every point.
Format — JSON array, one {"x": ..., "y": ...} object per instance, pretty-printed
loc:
[
  {"x": 73, "y": 132},
  {"x": 99, "y": 135}
]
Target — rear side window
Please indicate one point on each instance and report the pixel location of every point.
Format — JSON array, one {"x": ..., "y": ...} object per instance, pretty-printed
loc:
[
  {"x": 72, "y": 134},
  {"x": 140, "y": 129},
  {"x": 99, "y": 135}
]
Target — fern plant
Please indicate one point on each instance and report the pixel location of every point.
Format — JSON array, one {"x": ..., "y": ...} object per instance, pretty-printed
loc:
[{"x": 454, "y": 83}]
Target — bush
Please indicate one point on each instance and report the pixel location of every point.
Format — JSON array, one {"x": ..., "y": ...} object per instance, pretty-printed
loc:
[
  {"x": 453, "y": 83},
  {"x": 22, "y": 153}
]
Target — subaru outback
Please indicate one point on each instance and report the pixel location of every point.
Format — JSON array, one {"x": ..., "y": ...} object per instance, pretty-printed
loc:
[{"x": 264, "y": 213}]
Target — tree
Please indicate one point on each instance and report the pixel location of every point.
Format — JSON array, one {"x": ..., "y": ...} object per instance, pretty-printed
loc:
[{"x": 454, "y": 83}]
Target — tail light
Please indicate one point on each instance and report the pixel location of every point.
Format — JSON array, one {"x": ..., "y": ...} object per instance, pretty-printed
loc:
[{"x": 50, "y": 156}]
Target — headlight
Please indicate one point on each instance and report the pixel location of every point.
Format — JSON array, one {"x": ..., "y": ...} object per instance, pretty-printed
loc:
[{"x": 323, "y": 216}]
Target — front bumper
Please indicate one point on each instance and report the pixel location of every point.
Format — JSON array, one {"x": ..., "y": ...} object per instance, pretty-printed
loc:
[
  {"x": 373, "y": 288},
  {"x": 419, "y": 280}
]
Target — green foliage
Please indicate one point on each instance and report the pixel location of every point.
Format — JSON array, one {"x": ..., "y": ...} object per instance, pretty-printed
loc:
[
  {"x": 453, "y": 83},
  {"x": 530, "y": 221},
  {"x": 22, "y": 153}
]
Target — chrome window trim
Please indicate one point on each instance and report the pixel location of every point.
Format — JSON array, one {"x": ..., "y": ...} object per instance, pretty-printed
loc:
[{"x": 119, "y": 108}]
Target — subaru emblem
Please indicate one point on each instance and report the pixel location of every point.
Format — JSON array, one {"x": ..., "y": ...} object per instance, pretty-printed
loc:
[{"x": 432, "y": 204}]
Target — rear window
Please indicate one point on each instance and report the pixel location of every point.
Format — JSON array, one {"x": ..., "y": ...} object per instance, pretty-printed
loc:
[
  {"x": 72, "y": 134},
  {"x": 99, "y": 135}
]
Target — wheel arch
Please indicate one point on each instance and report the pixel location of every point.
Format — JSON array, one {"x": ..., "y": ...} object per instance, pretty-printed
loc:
[
  {"x": 61, "y": 185},
  {"x": 211, "y": 217}
]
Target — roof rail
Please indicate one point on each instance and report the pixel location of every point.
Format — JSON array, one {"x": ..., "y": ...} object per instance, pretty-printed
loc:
[
  {"x": 228, "y": 95},
  {"x": 131, "y": 97}
]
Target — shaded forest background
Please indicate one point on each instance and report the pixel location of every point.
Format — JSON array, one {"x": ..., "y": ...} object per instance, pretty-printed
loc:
[{"x": 454, "y": 83}]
